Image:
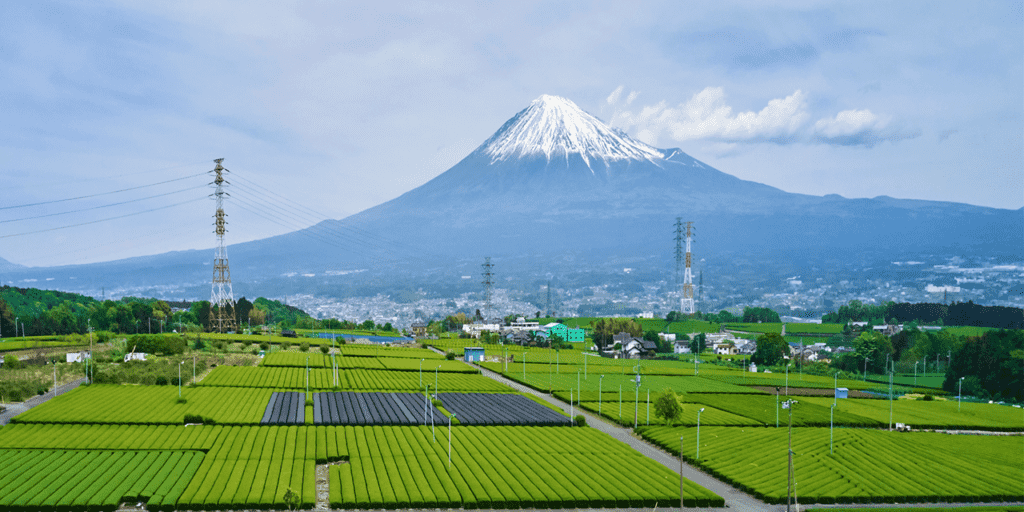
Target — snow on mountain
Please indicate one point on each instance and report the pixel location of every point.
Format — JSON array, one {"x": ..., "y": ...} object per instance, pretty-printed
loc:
[{"x": 556, "y": 127}]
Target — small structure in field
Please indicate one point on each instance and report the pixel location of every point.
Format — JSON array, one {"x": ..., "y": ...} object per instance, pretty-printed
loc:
[{"x": 473, "y": 354}]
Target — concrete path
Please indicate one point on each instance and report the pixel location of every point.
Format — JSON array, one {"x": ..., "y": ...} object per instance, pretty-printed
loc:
[
  {"x": 18, "y": 408},
  {"x": 734, "y": 499}
]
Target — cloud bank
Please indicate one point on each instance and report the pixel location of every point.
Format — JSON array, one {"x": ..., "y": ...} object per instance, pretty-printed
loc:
[{"x": 706, "y": 116}]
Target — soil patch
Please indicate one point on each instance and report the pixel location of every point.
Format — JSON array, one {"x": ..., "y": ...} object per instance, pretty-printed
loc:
[{"x": 853, "y": 393}]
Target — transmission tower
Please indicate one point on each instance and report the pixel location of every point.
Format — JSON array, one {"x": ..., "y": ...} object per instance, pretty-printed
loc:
[
  {"x": 686, "y": 306},
  {"x": 700, "y": 287},
  {"x": 488, "y": 283},
  {"x": 679, "y": 251},
  {"x": 549, "y": 298},
  {"x": 221, "y": 295}
]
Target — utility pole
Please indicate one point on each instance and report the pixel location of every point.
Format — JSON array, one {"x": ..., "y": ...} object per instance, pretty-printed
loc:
[
  {"x": 488, "y": 283},
  {"x": 788, "y": 404},
  {"x": 221, "y": 295}
]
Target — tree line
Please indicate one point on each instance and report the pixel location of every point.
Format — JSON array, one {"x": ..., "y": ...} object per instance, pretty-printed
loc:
[{"x": 958, "y": 313}]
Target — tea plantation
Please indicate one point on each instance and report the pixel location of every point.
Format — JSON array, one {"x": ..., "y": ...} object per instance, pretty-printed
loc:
[{"x": 251, "y": 438}]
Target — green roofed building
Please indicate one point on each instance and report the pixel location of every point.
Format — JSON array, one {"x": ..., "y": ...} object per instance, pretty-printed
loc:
[{"x": 575, "y": 335}]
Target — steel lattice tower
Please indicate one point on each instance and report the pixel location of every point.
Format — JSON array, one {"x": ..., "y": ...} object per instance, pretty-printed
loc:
[
  {"x": 221, "y": 295},
  {"x": 686, "y": 305},
  {"x": 679, "y": 253},
  {"x": 488, "y": 283}
]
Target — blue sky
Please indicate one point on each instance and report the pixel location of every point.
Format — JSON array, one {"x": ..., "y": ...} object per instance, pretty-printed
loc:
[{"x": 341, "y": 106}]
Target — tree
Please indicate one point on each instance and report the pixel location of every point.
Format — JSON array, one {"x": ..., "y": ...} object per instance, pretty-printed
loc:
[
  {"x": 771, "y": 348},
  {"x": 666, "y": 406},
  {"x": 605, "y": 328},
  {"x": 992, "y": 366},
  {"x": 755, "y": 315},
  {"x": 699, "y": 343},
  {"x": 874, "y": 346}
]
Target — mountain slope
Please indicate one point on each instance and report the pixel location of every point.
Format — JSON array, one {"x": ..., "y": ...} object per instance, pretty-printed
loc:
[{"x": 556, "y": 188}]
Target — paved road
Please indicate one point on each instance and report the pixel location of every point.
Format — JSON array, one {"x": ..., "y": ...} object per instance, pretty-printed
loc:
[
  {"x": 734, "y": 499},
  {"x": 18, "y": 408}
]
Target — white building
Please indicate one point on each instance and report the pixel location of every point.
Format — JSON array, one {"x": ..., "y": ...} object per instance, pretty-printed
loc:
[
  {"x": 78, "y": 357},
  {"x": 475, "y": 329}
]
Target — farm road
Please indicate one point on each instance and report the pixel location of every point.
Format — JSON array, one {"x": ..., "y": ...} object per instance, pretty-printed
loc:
[
  {"x": 734, "y": 499},
  {"x": 18, "y": 408}
]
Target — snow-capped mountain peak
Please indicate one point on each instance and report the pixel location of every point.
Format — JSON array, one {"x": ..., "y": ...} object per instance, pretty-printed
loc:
[{"x": 556, "y": 127}]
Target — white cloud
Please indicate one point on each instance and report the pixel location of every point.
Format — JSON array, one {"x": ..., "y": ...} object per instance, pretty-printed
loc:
[
  {"x": 858, "y": 128},
  {"x": 706, "y": 116},
  {"x": 848, "y": 122},
  {"x": 613, "y": 98}
]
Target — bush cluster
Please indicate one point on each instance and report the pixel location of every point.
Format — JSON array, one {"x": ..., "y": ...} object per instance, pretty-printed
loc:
[{"x": 165, "y": 344}]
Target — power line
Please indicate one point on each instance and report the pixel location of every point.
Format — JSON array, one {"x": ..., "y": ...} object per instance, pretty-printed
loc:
[
  {"x": 101, "y": 193},
  {"x": 103, "y": 220},
  {"x": 102, "y": 206}
]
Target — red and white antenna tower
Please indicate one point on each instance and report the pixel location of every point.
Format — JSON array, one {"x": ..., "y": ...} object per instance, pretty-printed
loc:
[
  {"x": 221, "y": 296},
  {"x": 686, "y": 305}
]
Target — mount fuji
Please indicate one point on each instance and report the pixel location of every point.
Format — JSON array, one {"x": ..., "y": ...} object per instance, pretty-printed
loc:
[{"x": 557, "y": 191}]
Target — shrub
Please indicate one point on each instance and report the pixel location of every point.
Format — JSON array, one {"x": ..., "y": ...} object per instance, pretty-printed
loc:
[
  {"x": 309, "y": 402},
  {"x": 325, "y": 349},
  {"x": 264, "y": 346},
  {"x": 161, "y": 381},
  {"x": 195, "y": 418},
  {"x": 255, "y": 351},
  {"x": 581, "y": 420},
  {"x": 450, "y": 356},
  {"x": 11, "y": 362},
  {"x": 304, "y": 346},
  {"x": 437, "y": 403},
  {"x": 41, "y": 390},
  {"x": 285, "y": 345},
  {"x": 928, "y": 398},
  {"x": 182, "y": 400}
]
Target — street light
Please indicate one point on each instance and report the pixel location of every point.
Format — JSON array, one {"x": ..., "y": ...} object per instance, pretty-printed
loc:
[
  {"x": 421, "y": 372},
  {"x": 680, "y": 473},
  {"x": 698, "y": 433},
  {"x": 179, "y": 377},
  {"x": 959, "y": 389},
  {"x": 776, "y": 407},
  {"x": 788, "y": 404},
  {"x": 787, "y": 380},
  {"x": 915, "y": 371},
  {"x": 435, "y": 379},
  {"x": 450, "y": 440},
  {"x": 600, "y": 394},
  {"x": 835, "y": 387},
  {"x": 831, "y": 410}
]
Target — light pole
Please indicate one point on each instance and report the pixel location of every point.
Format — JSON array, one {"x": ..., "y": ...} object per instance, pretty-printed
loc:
[
  {"x": 680, "y": 473},
  {"x": 193, "y": 369},
  {"x": 450, "y": 440},
  {"x": 179, "y": 377},
  {"x": 831, "y": 410},
  {"x": 835, "y": 388},
  {"x": 890, "y": 400},
  {"x": 648, "y": 406},
  {"x": 866, "y": 359},
  {"x": 524, "y": 367},
  {"x": 787, "y": 380},
  {"x": 421, "y": 372},
  {"x": 788, "y": 404},
  {"x": 959, "y": 390},
  {"x": 698, "y": 433},
  {"x": 600, "y": 394},
  {"x": 579, "y": 391},
  {"x": 620, "y": 402},
  {"x": 915, "y": 371},
  {"x": 435, "y": 379},
  {"x": 776, "y": 407}
]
